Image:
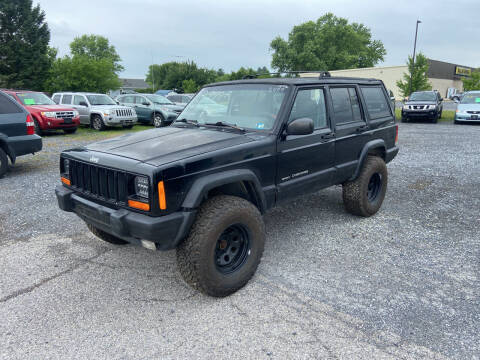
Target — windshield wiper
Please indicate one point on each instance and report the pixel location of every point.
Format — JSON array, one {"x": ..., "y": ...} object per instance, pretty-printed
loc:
[
  {"x": 187, "y": 121},
  {"x": 224, "y": 124}
]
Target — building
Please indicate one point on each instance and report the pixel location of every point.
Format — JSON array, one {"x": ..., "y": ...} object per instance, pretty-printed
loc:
[
  {"x": 444, "y": 77},
  {"x": 130, "y": 85}
]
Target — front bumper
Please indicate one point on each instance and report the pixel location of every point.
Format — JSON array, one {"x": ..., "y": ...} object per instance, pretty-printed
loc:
[
  {"x": 165, "y": 231},
  {"x": 55, "y": 124},
  {"x": 419, "y": 114},
  {"x": 119, "y": 121},
  {"x": 468, "y": 117}
]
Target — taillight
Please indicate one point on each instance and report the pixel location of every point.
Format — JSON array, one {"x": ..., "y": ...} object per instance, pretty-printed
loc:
[
  {"x": 396, "y": 135},
  {"x": 30, "y": 125}
]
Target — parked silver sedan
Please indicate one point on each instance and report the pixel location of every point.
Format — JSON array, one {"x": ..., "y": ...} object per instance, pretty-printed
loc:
[{"x": 468, "y": 109}]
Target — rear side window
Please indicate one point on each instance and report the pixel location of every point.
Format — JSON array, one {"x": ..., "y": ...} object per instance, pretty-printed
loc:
[
  {"x": 67, "y": 99},
  {"x": 8, "y": 107},
  {"x": 127, "y": 99},
  {"x": 56, "y": 99},
  {"x": 345, "y": 105},
  {"x": 377, "y": 104}
]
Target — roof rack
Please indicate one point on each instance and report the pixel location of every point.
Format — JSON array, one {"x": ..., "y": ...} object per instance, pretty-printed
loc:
[{"x": 322, "y": 74}]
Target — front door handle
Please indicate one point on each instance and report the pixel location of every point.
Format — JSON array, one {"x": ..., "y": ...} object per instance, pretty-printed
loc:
[
  {"x": 328, "y": 136},
  {"x": 362, "y": 128}
]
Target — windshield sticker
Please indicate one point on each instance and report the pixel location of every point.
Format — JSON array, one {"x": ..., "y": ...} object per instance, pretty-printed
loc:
[
  {"x": 29, "y": 101},
  {"x": 477, "y": 100},
  {"x": 260, "y": 125}
]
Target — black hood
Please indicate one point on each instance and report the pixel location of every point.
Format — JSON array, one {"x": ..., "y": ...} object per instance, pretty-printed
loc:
[{"x": 164, "y": 145}]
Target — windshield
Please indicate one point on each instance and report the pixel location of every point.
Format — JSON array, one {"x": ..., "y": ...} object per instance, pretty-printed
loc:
[
  {"x": 471, "y": 98},
  {"x": 29, "y": 98},
  {"x": 159, "y": 99},
  {"x": 251, "y": 106},
  {"x": 423, "y": 96},
  {"x": 100, "y": 100}
]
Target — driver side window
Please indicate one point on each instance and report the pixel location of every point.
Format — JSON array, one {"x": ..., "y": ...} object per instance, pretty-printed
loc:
[{"x": 310, "y": 103}]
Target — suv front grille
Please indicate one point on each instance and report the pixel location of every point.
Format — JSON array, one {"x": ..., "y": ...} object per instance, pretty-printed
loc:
[
  {"x": 123, "y": 112},
  {"x": 64, "y": 115},
  {"x": 99, "y": 182}
]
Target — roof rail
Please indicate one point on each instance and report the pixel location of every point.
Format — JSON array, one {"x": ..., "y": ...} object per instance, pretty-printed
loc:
[{"x": 322, "y": 74}]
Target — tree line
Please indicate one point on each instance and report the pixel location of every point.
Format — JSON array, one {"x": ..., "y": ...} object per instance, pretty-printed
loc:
[{"x": 93, "y": 64}]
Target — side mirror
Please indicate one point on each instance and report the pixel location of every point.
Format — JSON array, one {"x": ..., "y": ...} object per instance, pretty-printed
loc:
[
  {"x": 456, "y": 100},
  {"x": 301, "y": 126},
  {"x": 83, "y": 103}
]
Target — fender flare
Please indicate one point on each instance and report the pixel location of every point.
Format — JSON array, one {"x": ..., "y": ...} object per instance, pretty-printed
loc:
[
  {"x": 378, "y": 144},
  {"x": 203, "y": 185},
  {"x": 4, "y": 145}
]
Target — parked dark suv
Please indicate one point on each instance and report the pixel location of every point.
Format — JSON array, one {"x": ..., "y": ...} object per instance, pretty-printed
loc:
[
  {"x": 202, "y": 184},
  {"x": 423, "y": 105},
  {"x": 17, "y": 132}
]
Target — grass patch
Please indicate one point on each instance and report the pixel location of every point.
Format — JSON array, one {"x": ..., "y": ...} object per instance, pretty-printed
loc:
[{"x": 447, "y": 115}]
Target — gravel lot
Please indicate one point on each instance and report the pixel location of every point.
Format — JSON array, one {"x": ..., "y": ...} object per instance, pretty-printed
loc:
[{"x": 403, "y": 284}]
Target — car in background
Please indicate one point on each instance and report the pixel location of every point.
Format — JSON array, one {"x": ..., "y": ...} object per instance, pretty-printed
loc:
[
  {"x": 423, "y": 105},
  {"x": 152, "y": 109},
  {"x": 180, "y": 99},
  {"x": 47, "y": 115},
  {"x": 164, "y": 92},
  {"x": 468, "y": 109},
  {"x": 97, "y": 110},
  {"x": 17, "y": 132},
  {"x": 457, "y": 97}
]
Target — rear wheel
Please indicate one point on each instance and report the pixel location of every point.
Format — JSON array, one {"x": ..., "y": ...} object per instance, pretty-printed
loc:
[
  {"x": 70, "y": 131},
  {"x": 224, "y": 246},
  {"x": 97, "y": 123},
  {"x": 364, "y": 195},
  {"x": 106, "y": 236},
  {"x": 3, "y": 163}
]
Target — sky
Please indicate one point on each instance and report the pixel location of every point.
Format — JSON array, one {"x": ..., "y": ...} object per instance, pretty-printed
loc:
[{"x": 229, "y": 34}]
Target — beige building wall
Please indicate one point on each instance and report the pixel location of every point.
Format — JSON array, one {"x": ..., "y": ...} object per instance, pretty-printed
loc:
[{"x": 390, "y": 75}]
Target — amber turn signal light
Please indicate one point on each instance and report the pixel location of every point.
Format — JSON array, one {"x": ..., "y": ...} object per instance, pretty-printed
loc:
[
  {"x": 161, "y": 196},
  {"x": 139, "y": 205},
  {"x": 65, "y": 181}
]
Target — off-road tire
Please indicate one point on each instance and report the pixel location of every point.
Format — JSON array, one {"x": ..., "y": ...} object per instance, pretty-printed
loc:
[
  {"x": 355, "y": 193},
  {"x": 38, "y": 130},
  {"x": 196, "y": 255},
  {"x": 3, "y": 163},
  {"x": 158, "y": 120},
  {"x": 70, "y": 131},
  {"x": 106, "y": 236},
  {"x": 97, "y": 123}
]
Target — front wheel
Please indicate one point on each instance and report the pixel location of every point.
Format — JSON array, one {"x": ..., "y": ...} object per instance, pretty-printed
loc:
[
  {"x": 97, "y": 123},
  {"x": 70, "y": 131},
  {"x": 158, "y": 120},
  {"x": 224, "y": 246},
  {"x": 364, "y": 195},
  {"x": 38, "y": 130}
]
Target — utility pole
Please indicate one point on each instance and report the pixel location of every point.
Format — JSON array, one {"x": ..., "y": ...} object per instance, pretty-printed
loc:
[{"x": 414, "y": 50}]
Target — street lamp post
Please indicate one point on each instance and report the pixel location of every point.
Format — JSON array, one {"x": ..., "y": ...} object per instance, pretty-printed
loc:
[{"x": 414, "y": 49}]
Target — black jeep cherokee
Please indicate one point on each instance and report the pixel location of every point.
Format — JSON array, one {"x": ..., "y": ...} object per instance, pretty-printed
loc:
[
  {"x": 237, "y": 149},
  {"x": 17, "y": 132}
]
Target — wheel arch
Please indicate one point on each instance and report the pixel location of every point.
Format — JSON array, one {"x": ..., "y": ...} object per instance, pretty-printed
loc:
[
  {"x": 376, "y": 148},
  {"x": 4, "y": 146},
  {"x": 242, "y": 183}
]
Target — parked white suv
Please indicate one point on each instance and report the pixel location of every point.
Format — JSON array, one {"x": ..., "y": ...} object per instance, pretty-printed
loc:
[{"x": 97, "y": 110}]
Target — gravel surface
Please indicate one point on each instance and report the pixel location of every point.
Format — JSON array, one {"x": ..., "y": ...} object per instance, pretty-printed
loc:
[{"x": 402, "y": 284}]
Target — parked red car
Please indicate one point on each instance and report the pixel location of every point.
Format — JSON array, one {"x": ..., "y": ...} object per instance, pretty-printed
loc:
[{"x": 46, "y": 114}]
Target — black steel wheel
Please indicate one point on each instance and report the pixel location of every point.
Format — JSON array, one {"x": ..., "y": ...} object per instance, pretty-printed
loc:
[
  {"x": 224, "y": 246},
  {"x": 364, "y": 195}
]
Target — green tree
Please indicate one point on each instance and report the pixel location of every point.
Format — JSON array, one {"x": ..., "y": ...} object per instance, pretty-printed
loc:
[
  {"x": 417, "y": 77},
  {"x": 92, "y": 66},
  {"x": 473, "y": 82},
  {"x": 24, "y": 51},
  {"x": 330, "y": 43},
  {"x": 96, "y": 47},
  {"x": 189, "y": 86}
]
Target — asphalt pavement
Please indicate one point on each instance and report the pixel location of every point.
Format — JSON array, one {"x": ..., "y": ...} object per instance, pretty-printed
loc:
[{"x": 402, "y": 284}]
